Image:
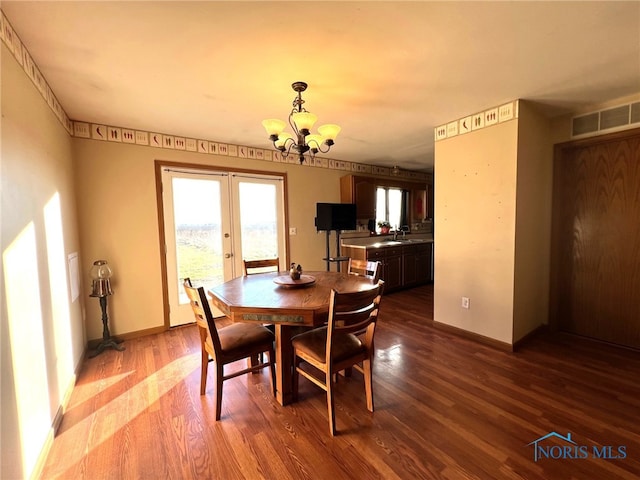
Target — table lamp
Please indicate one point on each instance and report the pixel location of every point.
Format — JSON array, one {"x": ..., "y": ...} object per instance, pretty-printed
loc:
[{"x": 101, "y": 288}]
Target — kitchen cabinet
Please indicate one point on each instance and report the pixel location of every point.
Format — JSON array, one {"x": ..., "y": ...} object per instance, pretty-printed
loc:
[
  {"x": 423, "y": 265},
  {"x": 409, "y": 267},
  {"x": 402, "y": 266},
  {"x": 416, "y": 262},
  {"x": 362, "y": 192},
  {"x": 392, "y": 268},
  {"x": 422, "y": 203}
]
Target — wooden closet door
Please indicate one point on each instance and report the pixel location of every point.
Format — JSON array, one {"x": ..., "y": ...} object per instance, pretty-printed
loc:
[{"x": 596, "y": 239}]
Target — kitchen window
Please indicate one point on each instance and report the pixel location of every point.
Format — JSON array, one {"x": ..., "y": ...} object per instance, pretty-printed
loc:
[{"x": 391, "y": 206}]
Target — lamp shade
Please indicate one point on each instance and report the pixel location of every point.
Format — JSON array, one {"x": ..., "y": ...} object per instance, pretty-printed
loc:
[
  {"x": 304, "y": 121},
  {"x": 329, "y": 131},
  {"x": 282, "y": 140},
  {"x": 315, "y": 141},
  {"x": 273, "y": 126}
]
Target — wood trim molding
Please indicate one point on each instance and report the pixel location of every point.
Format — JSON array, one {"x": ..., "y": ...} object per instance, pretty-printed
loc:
[
  {"x": 534, "y": 333},
  {"x": 476, "y": 337},
  {"x": 92, "y": 344}
]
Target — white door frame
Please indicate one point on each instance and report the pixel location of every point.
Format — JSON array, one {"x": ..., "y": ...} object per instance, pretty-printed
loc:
[{"x": 235, "y": 261}]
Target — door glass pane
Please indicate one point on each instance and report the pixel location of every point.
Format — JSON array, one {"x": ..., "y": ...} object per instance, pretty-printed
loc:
[
  {"x": 198, "y": 218},
  {"x": 258, "y": 220}
]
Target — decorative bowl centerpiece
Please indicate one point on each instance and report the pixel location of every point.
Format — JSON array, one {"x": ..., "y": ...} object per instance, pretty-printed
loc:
[{"x": 295, "y": 279}]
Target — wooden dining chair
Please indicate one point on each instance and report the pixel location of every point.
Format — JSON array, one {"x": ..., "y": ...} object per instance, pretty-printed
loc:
[
  {"x": 336, "y": 347},
  {"x": 365, "y": 268},
  {"x": 261, "y": 266},
  {"x": 228, "y": 344}
]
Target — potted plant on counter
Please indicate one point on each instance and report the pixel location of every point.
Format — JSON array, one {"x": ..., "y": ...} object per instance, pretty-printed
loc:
[{"x": 384, "y": 226}]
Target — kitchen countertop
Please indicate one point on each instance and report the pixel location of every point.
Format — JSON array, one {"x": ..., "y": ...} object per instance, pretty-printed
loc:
[{"x": 373, "y": 242}]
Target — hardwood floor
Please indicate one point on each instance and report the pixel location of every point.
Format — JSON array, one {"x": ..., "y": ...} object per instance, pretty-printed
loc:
[{"x": 446, "y": 408}]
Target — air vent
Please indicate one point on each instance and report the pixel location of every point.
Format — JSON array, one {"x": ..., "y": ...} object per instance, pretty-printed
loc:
[
  {"x": 585, "y": 124},
  {"x": 635, "y": 112},
  {"x": 616, "y": 118}
]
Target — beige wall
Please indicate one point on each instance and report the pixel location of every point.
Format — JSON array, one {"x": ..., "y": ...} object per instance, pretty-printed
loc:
[
  {"x": 119, "y": 180},
  {"x": 474, "y": 231},
  {"x": 42, "y": 334},
  {"x": 533, "y": 221},
  {"x": 493, "y": 192}
]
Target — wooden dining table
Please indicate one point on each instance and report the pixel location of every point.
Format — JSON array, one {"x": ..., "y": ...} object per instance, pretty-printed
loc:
[{"x": 271, "y": 298}]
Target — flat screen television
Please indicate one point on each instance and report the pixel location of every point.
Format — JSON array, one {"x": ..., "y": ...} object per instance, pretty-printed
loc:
[{"x": 335, "y": 216}]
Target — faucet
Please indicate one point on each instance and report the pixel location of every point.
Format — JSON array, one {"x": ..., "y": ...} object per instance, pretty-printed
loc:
[{"x": 403, "y": 229}]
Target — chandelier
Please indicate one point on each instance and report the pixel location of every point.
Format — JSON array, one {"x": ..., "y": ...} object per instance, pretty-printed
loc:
[{"x": 301, "y": 123}]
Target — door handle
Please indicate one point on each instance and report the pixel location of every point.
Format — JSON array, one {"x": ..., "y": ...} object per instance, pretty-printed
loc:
[{"x": 228, "y": 255}]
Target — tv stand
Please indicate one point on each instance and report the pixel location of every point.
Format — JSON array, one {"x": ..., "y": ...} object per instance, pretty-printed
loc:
[{"x": 337, "y": 259}]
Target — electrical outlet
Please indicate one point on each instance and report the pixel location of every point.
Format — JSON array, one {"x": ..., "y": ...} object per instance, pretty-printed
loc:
[
  {"x": 293, "y": 231},
  {"x": 465, "y": 302}
]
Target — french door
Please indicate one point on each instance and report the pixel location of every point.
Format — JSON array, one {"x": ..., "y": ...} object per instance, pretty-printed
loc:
[{"x": 212, "y": 221}]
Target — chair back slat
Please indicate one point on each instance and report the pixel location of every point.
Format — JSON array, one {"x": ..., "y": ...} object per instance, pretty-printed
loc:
[
  {"x": 353, "y": 312},
  {"x": 365, "y": 268},
  {"x": 261, "y": 266}
]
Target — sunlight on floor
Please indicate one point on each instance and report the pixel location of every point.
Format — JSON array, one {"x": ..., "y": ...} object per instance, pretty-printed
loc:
[
  {"x": 84, "y": 392},
  {"x": 108, "y": 419}
]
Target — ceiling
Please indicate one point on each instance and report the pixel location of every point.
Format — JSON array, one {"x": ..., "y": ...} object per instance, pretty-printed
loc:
[{"x": 387, "y": 72}]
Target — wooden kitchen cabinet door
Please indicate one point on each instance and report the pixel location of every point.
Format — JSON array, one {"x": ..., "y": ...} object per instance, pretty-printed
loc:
[{"x": 362, "y": 192}]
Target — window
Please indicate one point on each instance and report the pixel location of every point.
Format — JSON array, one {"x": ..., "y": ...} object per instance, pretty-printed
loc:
[{"x": 391, "y": 206}]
